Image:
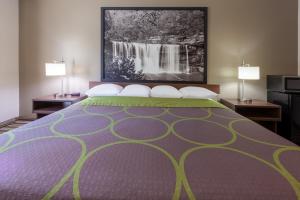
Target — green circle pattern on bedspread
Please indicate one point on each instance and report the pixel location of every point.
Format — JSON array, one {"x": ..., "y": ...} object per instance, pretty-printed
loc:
[{"x": 188, "y": 153}]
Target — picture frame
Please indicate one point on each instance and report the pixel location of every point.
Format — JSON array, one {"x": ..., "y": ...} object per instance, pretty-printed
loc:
[{"x": 154, "y": 44}]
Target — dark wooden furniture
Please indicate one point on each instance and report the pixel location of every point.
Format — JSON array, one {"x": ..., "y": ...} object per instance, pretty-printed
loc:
[
  {"x": 46, "y": 105},
  {"x": 212, "y": 87},
  {"x": 262, "y": 112}
]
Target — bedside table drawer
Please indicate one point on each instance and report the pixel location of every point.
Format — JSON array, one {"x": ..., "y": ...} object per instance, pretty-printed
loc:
[
  {"x": 43, "y": 106},
  {"x": 262, "y": 114}
]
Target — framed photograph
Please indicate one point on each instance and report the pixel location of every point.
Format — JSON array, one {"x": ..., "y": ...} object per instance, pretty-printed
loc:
[{"x": 154, "y": 44}]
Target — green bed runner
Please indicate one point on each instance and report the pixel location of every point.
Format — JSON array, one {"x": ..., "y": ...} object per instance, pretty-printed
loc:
[{"x": 150, "y": 102}]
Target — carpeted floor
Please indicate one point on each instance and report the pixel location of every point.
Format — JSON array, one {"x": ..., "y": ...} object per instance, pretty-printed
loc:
[{"x": 13, "y": 125}]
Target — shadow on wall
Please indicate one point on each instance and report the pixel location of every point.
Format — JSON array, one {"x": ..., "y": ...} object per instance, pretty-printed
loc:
[
  {"x": 77, "y": 77},
  {"x": 231, "y": 88}
]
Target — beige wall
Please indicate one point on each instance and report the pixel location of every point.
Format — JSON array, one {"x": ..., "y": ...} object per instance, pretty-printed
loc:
[
  {"x": 263, "y": 32},
  {"x": 9, "y": 59}
]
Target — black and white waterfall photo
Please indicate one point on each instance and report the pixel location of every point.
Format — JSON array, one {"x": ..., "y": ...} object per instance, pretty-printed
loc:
[{"x": 163, "y": 44}]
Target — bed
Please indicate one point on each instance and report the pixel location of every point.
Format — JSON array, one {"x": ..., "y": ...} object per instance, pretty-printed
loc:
[{"x": 147, "y": 148}]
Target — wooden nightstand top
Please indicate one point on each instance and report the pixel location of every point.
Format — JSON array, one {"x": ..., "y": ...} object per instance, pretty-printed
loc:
[
  {"x": 255, "y": 103},
  {"x": 68, "y": 98}
]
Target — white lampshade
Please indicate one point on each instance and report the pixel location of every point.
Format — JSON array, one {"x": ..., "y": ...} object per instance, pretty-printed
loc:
[
  {"x": 249, "y": 73},
  {"x": 55, "y": 69}
]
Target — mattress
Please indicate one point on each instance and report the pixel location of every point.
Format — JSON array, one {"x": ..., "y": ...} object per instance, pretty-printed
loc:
[{"x": 147, "y": 148}]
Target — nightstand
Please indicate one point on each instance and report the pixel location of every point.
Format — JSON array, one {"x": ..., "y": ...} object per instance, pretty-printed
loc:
[
  {"x": 262, "y": 112},
  {"x": 46, "y": 105}
]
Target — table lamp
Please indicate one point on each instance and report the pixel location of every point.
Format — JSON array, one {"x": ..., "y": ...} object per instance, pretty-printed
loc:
[
  {"x": 57, "y": 69},
  {"x": 247, "y": 72}
]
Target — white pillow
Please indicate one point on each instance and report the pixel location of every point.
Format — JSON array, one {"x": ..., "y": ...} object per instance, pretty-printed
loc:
[
  {"x": 136, "y": 90},
  {"x": 165, "y": 91},
  {"x": 107, "y": 89},
  {"x": 192, "y": 92}
]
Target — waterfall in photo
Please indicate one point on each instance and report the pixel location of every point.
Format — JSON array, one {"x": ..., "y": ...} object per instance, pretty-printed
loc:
[
  {"x": 188, "y": 70},
  {"x": 153, "y": 58},
  {"x": 147, "y": 57},
  {"x": 169, "y": 60}
]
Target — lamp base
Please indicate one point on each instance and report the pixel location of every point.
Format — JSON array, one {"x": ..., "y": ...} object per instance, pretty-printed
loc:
[
  {"x": 58, "y": 95},
  {"x": 247, "y": 101}
]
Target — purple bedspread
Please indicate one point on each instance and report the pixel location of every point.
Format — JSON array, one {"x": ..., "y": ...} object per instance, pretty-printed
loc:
[{"x": 98, "y": 152}]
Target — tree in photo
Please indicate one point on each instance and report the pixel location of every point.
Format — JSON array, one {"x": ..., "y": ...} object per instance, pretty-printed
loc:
[{"x": 123, "y": 69}]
